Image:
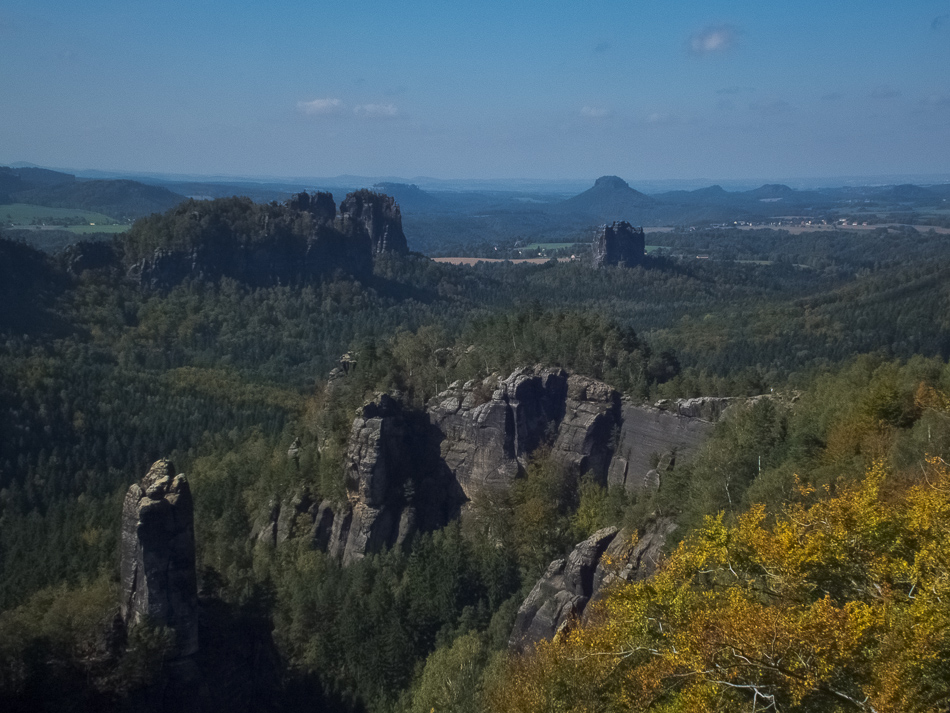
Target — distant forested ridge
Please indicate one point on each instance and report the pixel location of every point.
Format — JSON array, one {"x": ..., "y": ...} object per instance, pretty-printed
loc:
[{"x": 119, "y": 199}]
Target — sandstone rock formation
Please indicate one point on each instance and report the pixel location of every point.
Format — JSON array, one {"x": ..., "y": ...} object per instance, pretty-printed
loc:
[
  {"x": 377, "y": 216},
  {"x": 409, "y": 470},
  {"x": 159, "y": 584},
  {"x": 562, "y": 595},
  {"x": 619, "y": 244},
  {"x": 651, "y": 441},
  {"x": 302, "y": 240}
]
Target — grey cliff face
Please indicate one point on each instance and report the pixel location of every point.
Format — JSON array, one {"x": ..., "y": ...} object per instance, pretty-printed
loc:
[
  {"x": 408, "y": 470},
  {"x": 377, "y": 216},
  {"x": 486, "y": 443},
  {"x": 650, "y": 433},
  {"x": 159, "y": 584},
  {"x": 563, "y": 594},
  {"x": 619, "y": 244},
  {"x": 396, "y": 485}
]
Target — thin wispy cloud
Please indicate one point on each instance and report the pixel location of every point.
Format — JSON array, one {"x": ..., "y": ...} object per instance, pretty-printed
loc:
[
  {"x": 935, "y": 102},
  {"x": 320, "y": 107},
  {"x": 594, "y": 112},
  {"x": 884, "y": 93},
  {"x": 712, "y": 40},
  {"x": 734, "y": 90},
  {"x": 774, "y": 107},
  {"x": 659, "y": 118},
  {"x": 376, "y": 111}
]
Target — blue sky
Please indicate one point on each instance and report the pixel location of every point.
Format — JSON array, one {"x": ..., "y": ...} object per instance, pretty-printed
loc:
[{"x": 643, "y": 89}]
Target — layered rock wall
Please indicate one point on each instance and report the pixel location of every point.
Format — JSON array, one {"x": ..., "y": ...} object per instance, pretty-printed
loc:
[{"x": 651, "y": 441}]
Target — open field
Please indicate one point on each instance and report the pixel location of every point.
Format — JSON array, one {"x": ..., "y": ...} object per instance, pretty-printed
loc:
[
  {"x": 87, "y": 229},
  {"x": 474, "y": 260},
  {"x": 550, "y": 246},
  {"x": 799, "y": 229},
  {"x": 22, "y": 214}
]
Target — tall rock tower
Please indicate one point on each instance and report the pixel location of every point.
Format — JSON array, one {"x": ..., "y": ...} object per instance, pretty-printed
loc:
[
  {"x": 377, "y": 216},
  {"x": 619, "y": 243},
  {"x": 159, "y": 583}
]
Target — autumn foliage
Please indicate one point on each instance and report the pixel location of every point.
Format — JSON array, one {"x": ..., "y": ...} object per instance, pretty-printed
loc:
[{"x": 841, "y": 603}]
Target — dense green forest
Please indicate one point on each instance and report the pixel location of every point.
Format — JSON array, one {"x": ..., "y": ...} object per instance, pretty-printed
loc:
[{"x": 100, "y": 376}]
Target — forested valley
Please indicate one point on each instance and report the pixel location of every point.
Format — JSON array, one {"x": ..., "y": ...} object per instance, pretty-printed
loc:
[{"x": 807, "y": 570}]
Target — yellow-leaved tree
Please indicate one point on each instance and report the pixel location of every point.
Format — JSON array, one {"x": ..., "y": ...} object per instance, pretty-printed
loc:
[{"x": 840, "y": 604}]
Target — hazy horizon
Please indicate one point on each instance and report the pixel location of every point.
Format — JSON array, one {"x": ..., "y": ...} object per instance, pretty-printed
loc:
[{"x": 648, "y": 92}]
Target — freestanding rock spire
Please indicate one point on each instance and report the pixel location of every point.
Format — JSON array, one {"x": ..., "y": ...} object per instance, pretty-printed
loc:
[
  {"x": 619, "y": 244},
  {"x": 159, "y": 583}
]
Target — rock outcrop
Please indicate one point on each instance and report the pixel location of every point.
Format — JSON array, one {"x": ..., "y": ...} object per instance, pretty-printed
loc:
[
  {"x": 651, "y": 441},
  {"x": 487, "y": 443},
  {"x": 159, "y": 584},
  {"x": 84, "y": 255},
  {"x": 396, "y": 485},
  {"x": 619, "y": 244},
  {"x": 378, "y": 217},
  {"x": 409, "y": 470},
  {"x": 562, "y": 595},
  {"x": 302, "y": 240}
]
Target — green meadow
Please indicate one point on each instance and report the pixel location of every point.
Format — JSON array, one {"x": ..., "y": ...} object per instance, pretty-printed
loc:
[{"x": 21, "y": 214}]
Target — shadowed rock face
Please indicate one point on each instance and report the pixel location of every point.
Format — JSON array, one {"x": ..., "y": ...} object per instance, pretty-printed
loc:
[
  {"x": 396, "y": 486},
  {"x": 562, "y": 595},
  {"x": 619, "y": 244},
  {"x": 304, "y": 239},
  {"x": 159, "y": 584}
]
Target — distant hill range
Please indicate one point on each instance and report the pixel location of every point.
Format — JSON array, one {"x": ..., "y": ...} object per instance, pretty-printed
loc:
[
  {"x": 611, "y": 198},
  {"x": 409, "y": 196},
  {"x": 119, "y": 199}
]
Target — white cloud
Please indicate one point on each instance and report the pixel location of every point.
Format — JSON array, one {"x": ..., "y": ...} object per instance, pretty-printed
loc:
[
  {"x": 320, "y": 107},
  {"x": 594, "y": 112},
  {"x": 715, "y": 39},
  {"x": 383, "y": 111}
]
